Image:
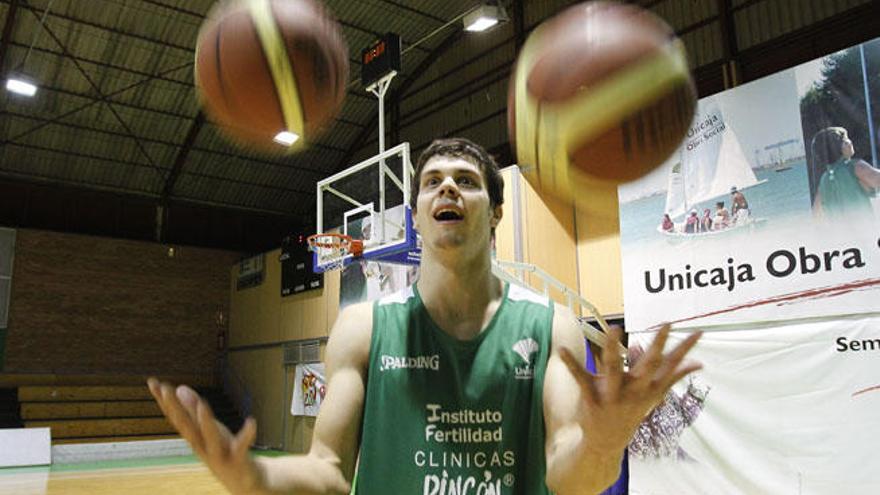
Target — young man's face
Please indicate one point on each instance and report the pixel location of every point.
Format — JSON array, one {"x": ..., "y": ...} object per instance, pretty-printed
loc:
[{"x": 452, "y": 208}]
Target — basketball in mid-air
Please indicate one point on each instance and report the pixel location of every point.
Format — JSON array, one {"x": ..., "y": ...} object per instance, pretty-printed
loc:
[
  {"x": 265, "y": 67},
  {"x": 601, "y": 94}
]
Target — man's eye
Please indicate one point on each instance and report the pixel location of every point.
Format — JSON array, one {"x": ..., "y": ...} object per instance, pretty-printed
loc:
[
  {"x": 433, "y": 181},
  {"x": 467, "y": 181}
]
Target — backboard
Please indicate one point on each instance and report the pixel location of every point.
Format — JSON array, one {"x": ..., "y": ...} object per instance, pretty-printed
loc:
[{"x": 369, "y": 201}]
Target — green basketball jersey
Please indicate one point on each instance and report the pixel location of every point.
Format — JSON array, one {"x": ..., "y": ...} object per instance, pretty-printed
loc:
[{"x": 444, "y": 416}]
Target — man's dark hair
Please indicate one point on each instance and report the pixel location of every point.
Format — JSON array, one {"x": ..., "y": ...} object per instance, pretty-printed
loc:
[{"x": 467, "y": 150}]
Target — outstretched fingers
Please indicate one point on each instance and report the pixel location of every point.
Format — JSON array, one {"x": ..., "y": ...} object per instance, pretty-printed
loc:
[
  {"x": 648, "y": 364},
  {"x": 215, "y": 443},
  {"x": 242, "y": 441},
  {"x": 583, "y": 377},
  {"x": 612, "y": 364},
  {"x": 177, "y": 415},
  {"x": 675, "y": 367}
]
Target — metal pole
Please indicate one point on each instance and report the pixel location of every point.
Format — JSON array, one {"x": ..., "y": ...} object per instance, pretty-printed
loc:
[
  {"x": 379, "y": 89},
  {"x": 380, "y": 229},
  {"x": 868, "y": 106}
]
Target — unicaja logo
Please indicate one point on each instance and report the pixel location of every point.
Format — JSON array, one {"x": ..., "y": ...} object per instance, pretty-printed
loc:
[{"x": 525, "y": 349}]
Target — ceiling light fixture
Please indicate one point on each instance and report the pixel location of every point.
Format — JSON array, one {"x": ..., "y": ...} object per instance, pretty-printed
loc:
[
  {"x": 484, "y": 17},
  {"x": 286, "y": 138},
  {"x": 20, "y": 86}
]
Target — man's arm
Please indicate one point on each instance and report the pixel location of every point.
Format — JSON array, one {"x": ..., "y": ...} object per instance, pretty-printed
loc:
[
  {"x": 329, "y": 465},
  {"x": 566, "y": 447},
  {"x": 591, "y": 419}
]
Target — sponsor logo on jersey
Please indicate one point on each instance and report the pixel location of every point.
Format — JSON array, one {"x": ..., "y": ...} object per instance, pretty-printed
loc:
[
  {"x": 431, "y": 362},
  {"x": 525, "y": 349}
]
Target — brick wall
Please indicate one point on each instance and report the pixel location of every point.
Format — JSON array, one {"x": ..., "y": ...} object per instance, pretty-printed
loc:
[{"x": 83, "y": 304}]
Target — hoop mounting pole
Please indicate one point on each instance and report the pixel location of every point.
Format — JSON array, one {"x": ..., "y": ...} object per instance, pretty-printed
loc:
[{"x": 379, "y": 88}]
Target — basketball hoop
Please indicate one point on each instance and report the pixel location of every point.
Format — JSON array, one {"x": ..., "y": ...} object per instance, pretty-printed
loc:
[{"x": 332, "y": 248}]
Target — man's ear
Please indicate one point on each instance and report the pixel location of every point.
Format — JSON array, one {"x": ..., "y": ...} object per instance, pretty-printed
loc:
[
  {"x": 415, "y": 220},
  {"x": 496, "y": 215}
]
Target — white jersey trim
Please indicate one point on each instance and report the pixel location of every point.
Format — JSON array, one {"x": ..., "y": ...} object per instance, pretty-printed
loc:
[
  {"x": 399, "y": 297},
  {"x": 520, "y": 293}
]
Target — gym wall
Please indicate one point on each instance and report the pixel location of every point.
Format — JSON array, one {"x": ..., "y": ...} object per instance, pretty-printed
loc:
[
  {"x": 261, "y": 322},
  {"x": 94, "y": 305}
]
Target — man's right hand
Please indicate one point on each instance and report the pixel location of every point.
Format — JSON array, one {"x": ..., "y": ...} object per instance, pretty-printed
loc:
[{"x": 226, "y": 455}]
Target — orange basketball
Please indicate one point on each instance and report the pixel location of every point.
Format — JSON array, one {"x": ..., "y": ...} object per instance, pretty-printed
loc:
[
  {"x": 267, "y": 66},
  {"x": 601, "y": 94}
]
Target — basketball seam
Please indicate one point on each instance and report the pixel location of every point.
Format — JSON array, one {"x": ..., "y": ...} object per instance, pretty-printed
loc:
[
  {"x": 267, "y": 61},
  {"x": 220, "y": 80}
]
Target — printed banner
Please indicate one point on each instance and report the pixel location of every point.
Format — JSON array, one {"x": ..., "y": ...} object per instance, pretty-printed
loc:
[
  {"x": 787, "y": 409},
  {"x": 309, "y": 388},
  {"x": 769, "y": 210}
]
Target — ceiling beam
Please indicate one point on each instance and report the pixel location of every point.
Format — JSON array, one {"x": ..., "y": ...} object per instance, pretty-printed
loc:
[
  {"x": 219, "y": 178},
  {"x": 132, "y": 106},
  {"x": 97, "y": 90},
  {"x": 147, "y": 196},
  {"x": 91, "y": 103},
  {"x": 369, "y": 127},
  {"x": 418, "y": 12},
  {"x": 215, "y": 152},
  {"x": 101, "y": 27},
  {"x": 182, "y": 153},
  {"x": 7, "y": 31},
  {"x": 128, "y": 70}
]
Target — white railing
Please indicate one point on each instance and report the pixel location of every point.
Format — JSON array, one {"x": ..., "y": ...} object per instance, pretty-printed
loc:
[{"x": 514, "y": 272}]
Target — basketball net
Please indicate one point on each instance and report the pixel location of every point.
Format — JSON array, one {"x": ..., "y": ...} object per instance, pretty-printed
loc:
[{"x": 332, "y": 248}]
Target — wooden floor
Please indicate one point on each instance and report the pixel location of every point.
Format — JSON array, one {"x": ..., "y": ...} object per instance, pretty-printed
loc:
[{"x": 172, "y": 476}]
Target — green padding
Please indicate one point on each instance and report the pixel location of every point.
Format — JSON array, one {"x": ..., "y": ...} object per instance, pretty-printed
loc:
[
  {"x": 124, "y": 463},
  {"x": 95, "y": 465}
]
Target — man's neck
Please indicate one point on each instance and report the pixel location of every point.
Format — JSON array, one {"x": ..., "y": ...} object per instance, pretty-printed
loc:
[{"x": 461, "y": 295}]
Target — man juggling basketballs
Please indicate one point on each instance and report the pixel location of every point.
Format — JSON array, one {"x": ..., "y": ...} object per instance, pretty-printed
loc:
[{"x": 461, "y": 383}]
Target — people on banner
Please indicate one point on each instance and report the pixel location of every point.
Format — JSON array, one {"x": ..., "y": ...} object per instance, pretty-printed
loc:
[
  {"x": 846, "y": 184},
  {"x": 739, "y": 206},
  {"x": 692, "y": 223},
  {"x": 706, "y": 221},
  {"x": 667, "y": 225},
  {"x": 722, "y": 217}
]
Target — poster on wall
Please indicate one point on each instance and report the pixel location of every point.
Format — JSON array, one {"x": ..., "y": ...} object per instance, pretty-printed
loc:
[
  {"x": 769, "y": 210},
  {"x": 309, "y": 388},
  {"x": 788, "y": 409},
  {"x": 369, "y": 280}
]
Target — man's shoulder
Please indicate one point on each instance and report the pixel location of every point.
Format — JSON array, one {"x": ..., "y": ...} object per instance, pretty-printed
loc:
[{"x": 351, "y": 334}]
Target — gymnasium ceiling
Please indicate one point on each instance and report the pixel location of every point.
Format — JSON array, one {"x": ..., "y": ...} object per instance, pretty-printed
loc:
[{"x": 116, "y": 114}]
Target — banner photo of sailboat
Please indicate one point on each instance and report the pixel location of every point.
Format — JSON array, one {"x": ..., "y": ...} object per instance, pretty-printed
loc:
[
  {"x": 710, "y": 165},
  {"x": 769, "y": 210}
]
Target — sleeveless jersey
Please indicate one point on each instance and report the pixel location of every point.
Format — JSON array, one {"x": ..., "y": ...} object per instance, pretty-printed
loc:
[
  {"x": 444, "y": 416},
  {"x": 841, "y": 192}
]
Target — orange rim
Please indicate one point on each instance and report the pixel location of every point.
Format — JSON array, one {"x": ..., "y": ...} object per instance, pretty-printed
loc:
[{"x": 332, "y": 240}]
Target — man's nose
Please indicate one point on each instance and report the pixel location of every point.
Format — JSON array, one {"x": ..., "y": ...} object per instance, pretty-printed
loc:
[{"x": 448, "y": 186}]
